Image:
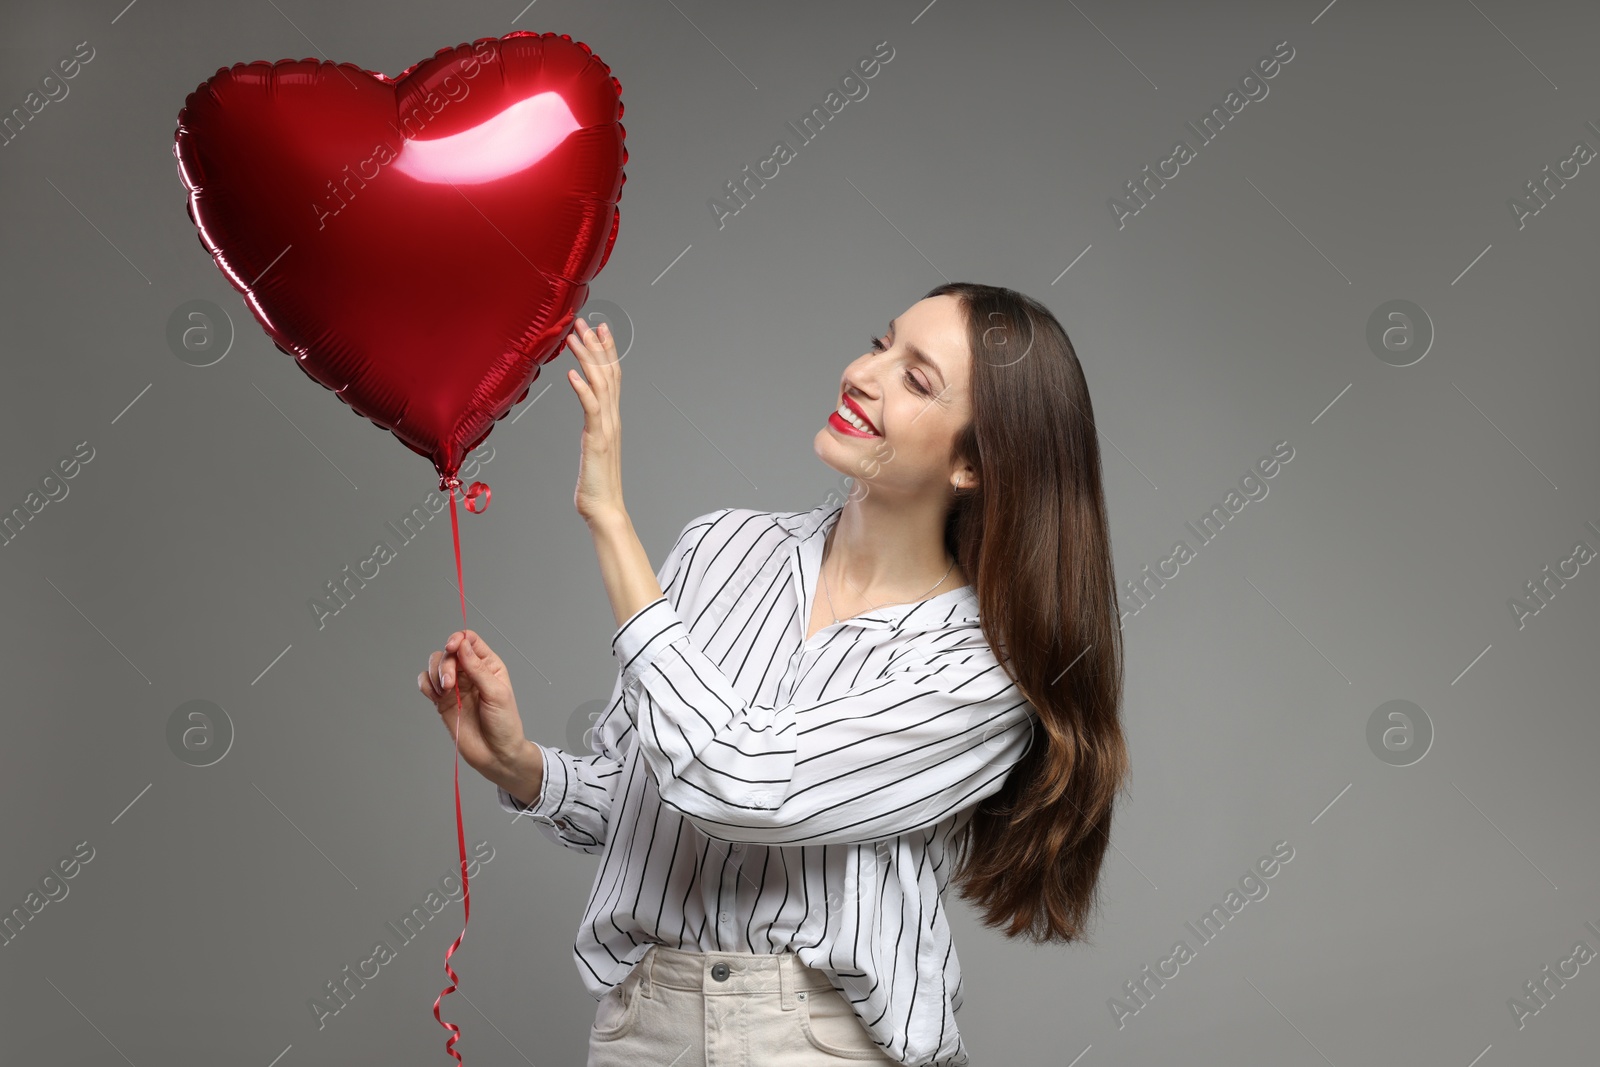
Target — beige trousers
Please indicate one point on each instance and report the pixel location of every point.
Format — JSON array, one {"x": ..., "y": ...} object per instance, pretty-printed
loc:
[{"x": 727, "y": 1009}]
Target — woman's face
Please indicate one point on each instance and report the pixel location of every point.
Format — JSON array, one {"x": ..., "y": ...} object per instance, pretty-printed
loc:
[{"x": 915, "y": 405}]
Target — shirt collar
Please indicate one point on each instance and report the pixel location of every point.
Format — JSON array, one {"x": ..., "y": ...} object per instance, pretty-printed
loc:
[{"x": 808, "y": 531}]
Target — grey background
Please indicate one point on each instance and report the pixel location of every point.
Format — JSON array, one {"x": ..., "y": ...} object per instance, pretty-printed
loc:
[{"x": 1228, "y": 315}]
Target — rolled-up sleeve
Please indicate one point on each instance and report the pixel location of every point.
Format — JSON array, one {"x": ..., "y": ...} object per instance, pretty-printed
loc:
[
  {"x": 936, "y": 733},
  {"x": 574, "y": 803}
]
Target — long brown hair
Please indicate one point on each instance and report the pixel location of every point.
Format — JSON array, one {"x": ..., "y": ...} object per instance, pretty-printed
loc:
[{"x": 1034, "y": 533}]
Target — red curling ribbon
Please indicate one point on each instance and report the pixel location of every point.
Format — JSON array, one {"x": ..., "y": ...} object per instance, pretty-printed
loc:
[
  {"x": 478, "y": 494},
  {"x": 452, "y": 483}
]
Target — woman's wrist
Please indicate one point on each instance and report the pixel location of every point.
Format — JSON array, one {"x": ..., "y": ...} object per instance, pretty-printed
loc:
[
  {"x": 610, "y": 520},
  {"x": 522, "y": 775}
]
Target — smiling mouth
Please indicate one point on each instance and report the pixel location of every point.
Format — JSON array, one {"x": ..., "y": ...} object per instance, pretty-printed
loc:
[
  {"x": 851, "y": 416},
  {"x": 844, "y": 426}
]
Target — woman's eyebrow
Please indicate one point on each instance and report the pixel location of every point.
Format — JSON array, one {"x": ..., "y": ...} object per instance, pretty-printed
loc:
[{"x": 919, "y": 355}]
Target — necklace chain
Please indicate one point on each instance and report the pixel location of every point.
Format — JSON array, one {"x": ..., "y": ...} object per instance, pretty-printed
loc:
[{"x": 835, "y": 611}]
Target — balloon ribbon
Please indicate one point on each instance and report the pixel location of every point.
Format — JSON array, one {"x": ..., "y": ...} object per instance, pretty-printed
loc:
[{"x": 461, "y": 836}]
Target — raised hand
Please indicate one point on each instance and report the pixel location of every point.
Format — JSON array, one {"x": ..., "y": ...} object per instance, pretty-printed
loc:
[{"x": 599, "y": 491}]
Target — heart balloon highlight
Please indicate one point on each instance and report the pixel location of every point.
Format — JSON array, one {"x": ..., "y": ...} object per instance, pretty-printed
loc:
[{"x": 420, "y": 245}]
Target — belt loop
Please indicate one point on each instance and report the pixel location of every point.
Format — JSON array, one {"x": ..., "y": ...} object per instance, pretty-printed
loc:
[
  {"x": 786, "y": 977},
  {"x": 645, "y": 965}
]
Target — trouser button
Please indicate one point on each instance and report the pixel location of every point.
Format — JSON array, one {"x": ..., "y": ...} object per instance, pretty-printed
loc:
[{"x": 719, "y": 971}]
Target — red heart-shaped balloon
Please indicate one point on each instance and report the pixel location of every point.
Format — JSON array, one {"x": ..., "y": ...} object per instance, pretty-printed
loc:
[{"x": 420, "y": 245}]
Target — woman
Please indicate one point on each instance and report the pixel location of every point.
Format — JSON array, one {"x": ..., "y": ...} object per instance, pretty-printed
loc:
[{"x": 783, "y": 782}]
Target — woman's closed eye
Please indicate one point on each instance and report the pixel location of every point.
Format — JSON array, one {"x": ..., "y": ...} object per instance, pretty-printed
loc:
[{"x": 911, "y": 379}]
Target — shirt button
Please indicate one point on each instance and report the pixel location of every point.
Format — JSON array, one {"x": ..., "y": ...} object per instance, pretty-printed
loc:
[
  {"x": 719, "y": 971},
  {"x": 738, "y": 846},
  {"x": 723, "y": 917}
]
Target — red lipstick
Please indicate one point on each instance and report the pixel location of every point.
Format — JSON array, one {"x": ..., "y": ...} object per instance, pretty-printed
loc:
[{"x": 842, "y": 425}]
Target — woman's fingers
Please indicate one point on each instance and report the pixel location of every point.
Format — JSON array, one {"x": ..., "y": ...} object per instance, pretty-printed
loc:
[
  {"x": 581, "y": 341},
  {"x": 579, "y": 351},
  {"x": 428, "y": 681},
  {"x": 601, "y": 347},
  {"x": 452, "y": 659},
  {"x": 434, "y": 663},
  {"x": 472, "y": 663},
  {"x": 595, "y": 350},
  {"x": 606, "y": 353},
  {"x": 586, "y": 397},
  {"x": 478, "y": 654},
  {"x": 596, "y": 384},
  {"x": 440, "y": 675},
  {"x": 466, "y": 654}
]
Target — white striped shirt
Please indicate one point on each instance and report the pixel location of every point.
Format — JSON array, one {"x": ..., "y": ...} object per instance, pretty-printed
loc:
[{"x": 754, "y": 791}]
